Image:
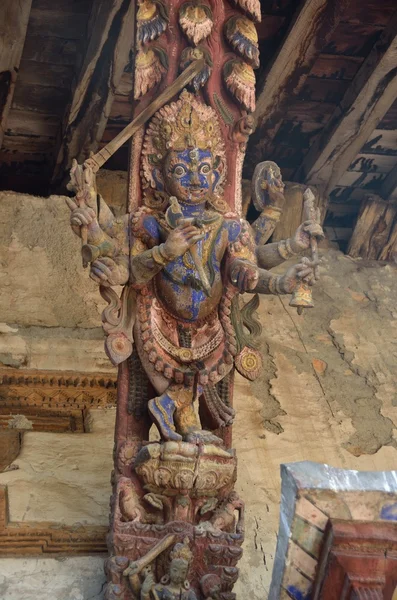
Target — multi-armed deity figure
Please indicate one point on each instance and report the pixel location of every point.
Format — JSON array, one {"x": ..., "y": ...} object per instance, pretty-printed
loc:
[{"x": 185, "y": 254}]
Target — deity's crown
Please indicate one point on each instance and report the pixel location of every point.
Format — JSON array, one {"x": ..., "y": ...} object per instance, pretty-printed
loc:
[
  {"x": 182, "y": 551},
  {"x": 186, "y": 123}
]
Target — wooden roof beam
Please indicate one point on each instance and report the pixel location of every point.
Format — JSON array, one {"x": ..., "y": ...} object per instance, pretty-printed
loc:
[
  {"x": 110, "y": 43},
  {"x": 368, "y": 98},
  {"x": 14, "y": 18},
  {"x": 310, "y": 30}
]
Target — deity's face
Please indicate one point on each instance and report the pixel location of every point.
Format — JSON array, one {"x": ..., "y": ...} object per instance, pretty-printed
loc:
[
  {"x": 189, "y": 175},
  {"x": 178, "y": 571}
]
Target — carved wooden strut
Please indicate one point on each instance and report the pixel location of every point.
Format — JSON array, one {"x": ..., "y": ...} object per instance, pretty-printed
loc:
[{"x": 184, "y": 255}]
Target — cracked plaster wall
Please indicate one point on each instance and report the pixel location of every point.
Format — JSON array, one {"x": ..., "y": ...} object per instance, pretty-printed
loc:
[{"x": 327, "y": 392}]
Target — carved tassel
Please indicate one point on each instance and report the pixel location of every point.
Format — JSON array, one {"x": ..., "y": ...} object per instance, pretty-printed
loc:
[
  {"x": 152, "y": 20},
  {"x": 150, "y": 66},
  {"x": 242, "y": 36},
  {"x": 188, "y": 56},
  {"x": 252, "y": 8},
  {"x": 196, "y": 21},
  {"x": 240, "y": 81}
]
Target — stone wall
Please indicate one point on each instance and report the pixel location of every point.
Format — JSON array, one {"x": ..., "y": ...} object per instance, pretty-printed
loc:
[{"x": 327, "y": 393}]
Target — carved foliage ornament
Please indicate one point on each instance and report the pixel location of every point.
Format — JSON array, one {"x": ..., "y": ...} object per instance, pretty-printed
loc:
[
  {"x": 152, "y": 20},
  {"x": 240, "y": 81},
  {"x": 242, "y": 36},
  {"x": 150, "y": 66},
  {"x": 196, "y": 21},
  {"x": 187, "y": 57}
]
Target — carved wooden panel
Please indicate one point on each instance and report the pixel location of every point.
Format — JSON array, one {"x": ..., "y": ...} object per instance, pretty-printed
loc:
[
  {"x": 53, "y": 401},
  {"x": 358, "y": 561},
  {"x": 44, "y": 538}
]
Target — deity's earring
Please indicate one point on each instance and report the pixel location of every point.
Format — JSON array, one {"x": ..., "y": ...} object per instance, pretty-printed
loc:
[
  {"x": 165, "y": 579},
  {"x": 186, "y": 584}
]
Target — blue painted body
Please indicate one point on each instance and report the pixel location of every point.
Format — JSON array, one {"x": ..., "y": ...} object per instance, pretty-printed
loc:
[{"x": 177, "y": 269}]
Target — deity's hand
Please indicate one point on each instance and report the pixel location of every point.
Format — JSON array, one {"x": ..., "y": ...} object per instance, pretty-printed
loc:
[
  {"x": 305, "y": 231},
  {"x": 82, "y": 182},
  {"x": 132, "y": 569},
  {"x": 105, "y": 271},
  {"x": 148, "y": 581},
  {"x": 304, "y": 271},
  {"x": 244, "y": 275},
  {"x": 80, "y": 217},
  {"x": 181, "y": 239}
]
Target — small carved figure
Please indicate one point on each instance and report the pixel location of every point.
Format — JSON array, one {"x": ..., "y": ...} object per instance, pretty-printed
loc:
[
  {"x": 224, "y": 518},
  {"x": 130, "y": 508},
  {"x": 211, "y": 586},
  {"x": 175, "y": 585}
]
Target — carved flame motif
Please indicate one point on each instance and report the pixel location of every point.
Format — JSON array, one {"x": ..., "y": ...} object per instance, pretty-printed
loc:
[
  {"x": 150, "y": 66},
  {"x": 196, "y": 21},
  {"x": 242, "y": 36},
  {"x": 240, "y": 81},
  {"x": 152, "y": 20},
  {"x": 187, "y": 57},
  {"x": 252, "y": 8}
]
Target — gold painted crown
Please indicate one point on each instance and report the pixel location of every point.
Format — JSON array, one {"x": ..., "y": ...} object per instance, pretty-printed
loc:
[
  {"x": 186, "y": 123},
  {"x": 182, "y": 551}
]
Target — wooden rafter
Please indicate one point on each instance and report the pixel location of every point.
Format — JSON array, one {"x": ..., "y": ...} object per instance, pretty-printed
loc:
[
  {"x": 14, "y": 18},
  {"x": 311, "y": 28},
  {"x": 107, "y": 55},
  {"x": 368, "y": 98}
]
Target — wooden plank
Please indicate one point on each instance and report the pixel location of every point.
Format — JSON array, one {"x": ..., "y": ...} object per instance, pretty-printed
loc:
[
  {"x": 381, "y": 142},
  {"x": 311, "y": 26},
  {"x": 312, "y": 112},
  {"x": 126, "y": 85},
  {"x": 336, "y": 67},
  {"x": 65, "y": 6},
  {"x": 369, "y": 97},
  {"x": 357, "y": 40},
  {"x": 291, "y": 216},
  {"x": 14, "y": 18},
  {"x": 27, "y": 122},
  {"x": 51, "y": 50},
  {"x": 49, "y": 101},
  {"x": 110, "y": 42},
  {"x": 34, "y": 144},
  {"x": 373, "y": 163},
  {"x": 376, "y": 221},
  {"x": 367, "y": 181},
  {"x": 328, "y": 91},
  {"x": 56, "y": 24},
  {"x": 371, "y": 11},
  {"x": 46, "y": 75}
]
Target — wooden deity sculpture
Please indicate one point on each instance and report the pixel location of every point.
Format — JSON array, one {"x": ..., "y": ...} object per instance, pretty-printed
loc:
[{"x": 184, "y": 256}]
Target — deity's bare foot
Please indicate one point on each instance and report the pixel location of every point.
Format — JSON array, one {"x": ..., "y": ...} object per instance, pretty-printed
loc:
[
  {"x": 203, "y": 437},
  {"x": 162, "y": 410}
]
